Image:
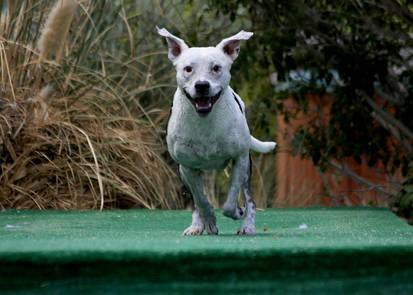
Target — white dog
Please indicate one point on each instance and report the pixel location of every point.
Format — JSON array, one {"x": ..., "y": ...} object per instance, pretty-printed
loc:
[{"x": 207, "y": 128}]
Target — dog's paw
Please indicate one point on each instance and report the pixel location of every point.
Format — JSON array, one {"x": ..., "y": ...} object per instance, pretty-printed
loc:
[
  {"x": 211, "y": 228},
  {"x": 246, "y": 230},
  {"x": 193, "y": 230}
]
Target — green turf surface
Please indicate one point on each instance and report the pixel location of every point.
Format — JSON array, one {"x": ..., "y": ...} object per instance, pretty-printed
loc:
[{"x": 340, "y": 250}]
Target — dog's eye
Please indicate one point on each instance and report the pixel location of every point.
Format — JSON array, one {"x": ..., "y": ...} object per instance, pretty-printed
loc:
[
  {"x": 188, "y": 69},
  {"x": 216, "y": 68}
]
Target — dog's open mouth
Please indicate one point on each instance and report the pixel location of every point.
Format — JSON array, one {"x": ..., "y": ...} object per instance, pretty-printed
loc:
[{"x": 203, "y": 105}]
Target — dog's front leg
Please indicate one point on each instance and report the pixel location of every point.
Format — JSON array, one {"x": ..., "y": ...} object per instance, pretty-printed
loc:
[
  {"x": 197, "y": 226},
  {"x": 239, "y": 176},
  {"x": 203, "y": 215}
]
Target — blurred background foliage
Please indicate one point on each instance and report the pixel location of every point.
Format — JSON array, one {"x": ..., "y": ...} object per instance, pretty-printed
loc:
[
  {"x": 74, "y": 133},
  {"x": 355, "y": 51},
  {"x": 359, "y": 52}
]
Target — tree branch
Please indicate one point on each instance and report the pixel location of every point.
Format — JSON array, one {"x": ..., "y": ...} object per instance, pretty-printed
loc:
[
  {"x": 328, "y": 186},
  {"x": 347, "y": 171},
  {"x": 394, "y": 131},
  {"x": 389, "y": 98},
  {"x": 389, "y": 118}
]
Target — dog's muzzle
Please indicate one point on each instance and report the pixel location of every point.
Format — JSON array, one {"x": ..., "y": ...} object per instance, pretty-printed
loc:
[{"x": 203, "y": 104}]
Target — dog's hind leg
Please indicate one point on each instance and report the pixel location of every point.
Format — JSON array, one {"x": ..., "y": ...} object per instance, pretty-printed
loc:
[
  {"x": 203, "y": 215},
  {"x": 239, "y": 175},
  {"x": 248, "y": 226}
]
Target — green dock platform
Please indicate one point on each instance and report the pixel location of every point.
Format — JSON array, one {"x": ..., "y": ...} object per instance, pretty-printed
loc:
[{"x": 295, "y": 251}]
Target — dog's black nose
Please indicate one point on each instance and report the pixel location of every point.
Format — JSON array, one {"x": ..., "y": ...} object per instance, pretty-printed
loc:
[{"x": 202, "y": 87}]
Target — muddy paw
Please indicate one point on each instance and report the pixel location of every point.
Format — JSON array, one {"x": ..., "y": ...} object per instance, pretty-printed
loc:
[
  {"x": 193, "y": 230},
  {"x": 246, "y": 230}
]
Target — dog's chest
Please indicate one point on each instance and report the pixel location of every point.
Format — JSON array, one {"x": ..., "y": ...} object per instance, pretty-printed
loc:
[
  {"x": 198, "y": 154},
  {"x": 205, "y": 143}
]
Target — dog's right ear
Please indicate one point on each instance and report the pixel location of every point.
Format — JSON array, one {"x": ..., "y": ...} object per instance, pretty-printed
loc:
[
  {"x": 231, "y": 45},
  {"x": 175, "y": 45}
]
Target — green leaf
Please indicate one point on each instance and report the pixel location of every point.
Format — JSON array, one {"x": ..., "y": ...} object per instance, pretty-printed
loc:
[{"x": 408, "y": 188}]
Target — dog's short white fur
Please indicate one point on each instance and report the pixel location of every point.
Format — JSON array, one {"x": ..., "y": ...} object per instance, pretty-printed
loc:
[{"x": 207, "y": 128}]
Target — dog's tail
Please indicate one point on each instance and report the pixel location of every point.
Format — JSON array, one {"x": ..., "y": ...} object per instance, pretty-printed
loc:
[{"x": 262, "y": 146}]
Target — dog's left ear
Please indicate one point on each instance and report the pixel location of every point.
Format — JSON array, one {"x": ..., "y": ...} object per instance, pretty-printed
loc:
[
  {"x": 232, "y": 44},
  {"x": 175, "y": 45}
]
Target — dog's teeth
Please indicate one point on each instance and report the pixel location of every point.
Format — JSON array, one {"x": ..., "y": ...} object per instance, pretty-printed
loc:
[{"x": 210, "y": 105}]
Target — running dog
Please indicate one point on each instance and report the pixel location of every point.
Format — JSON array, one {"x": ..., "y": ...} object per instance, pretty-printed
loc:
[{"x": 207, "y": 129}]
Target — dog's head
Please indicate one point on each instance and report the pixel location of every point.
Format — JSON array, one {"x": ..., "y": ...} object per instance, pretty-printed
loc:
[{"x": 203, "y": 72}]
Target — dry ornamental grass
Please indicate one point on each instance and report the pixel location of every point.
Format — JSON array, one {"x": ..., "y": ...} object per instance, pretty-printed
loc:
[{"x": 68, "y": 137}]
